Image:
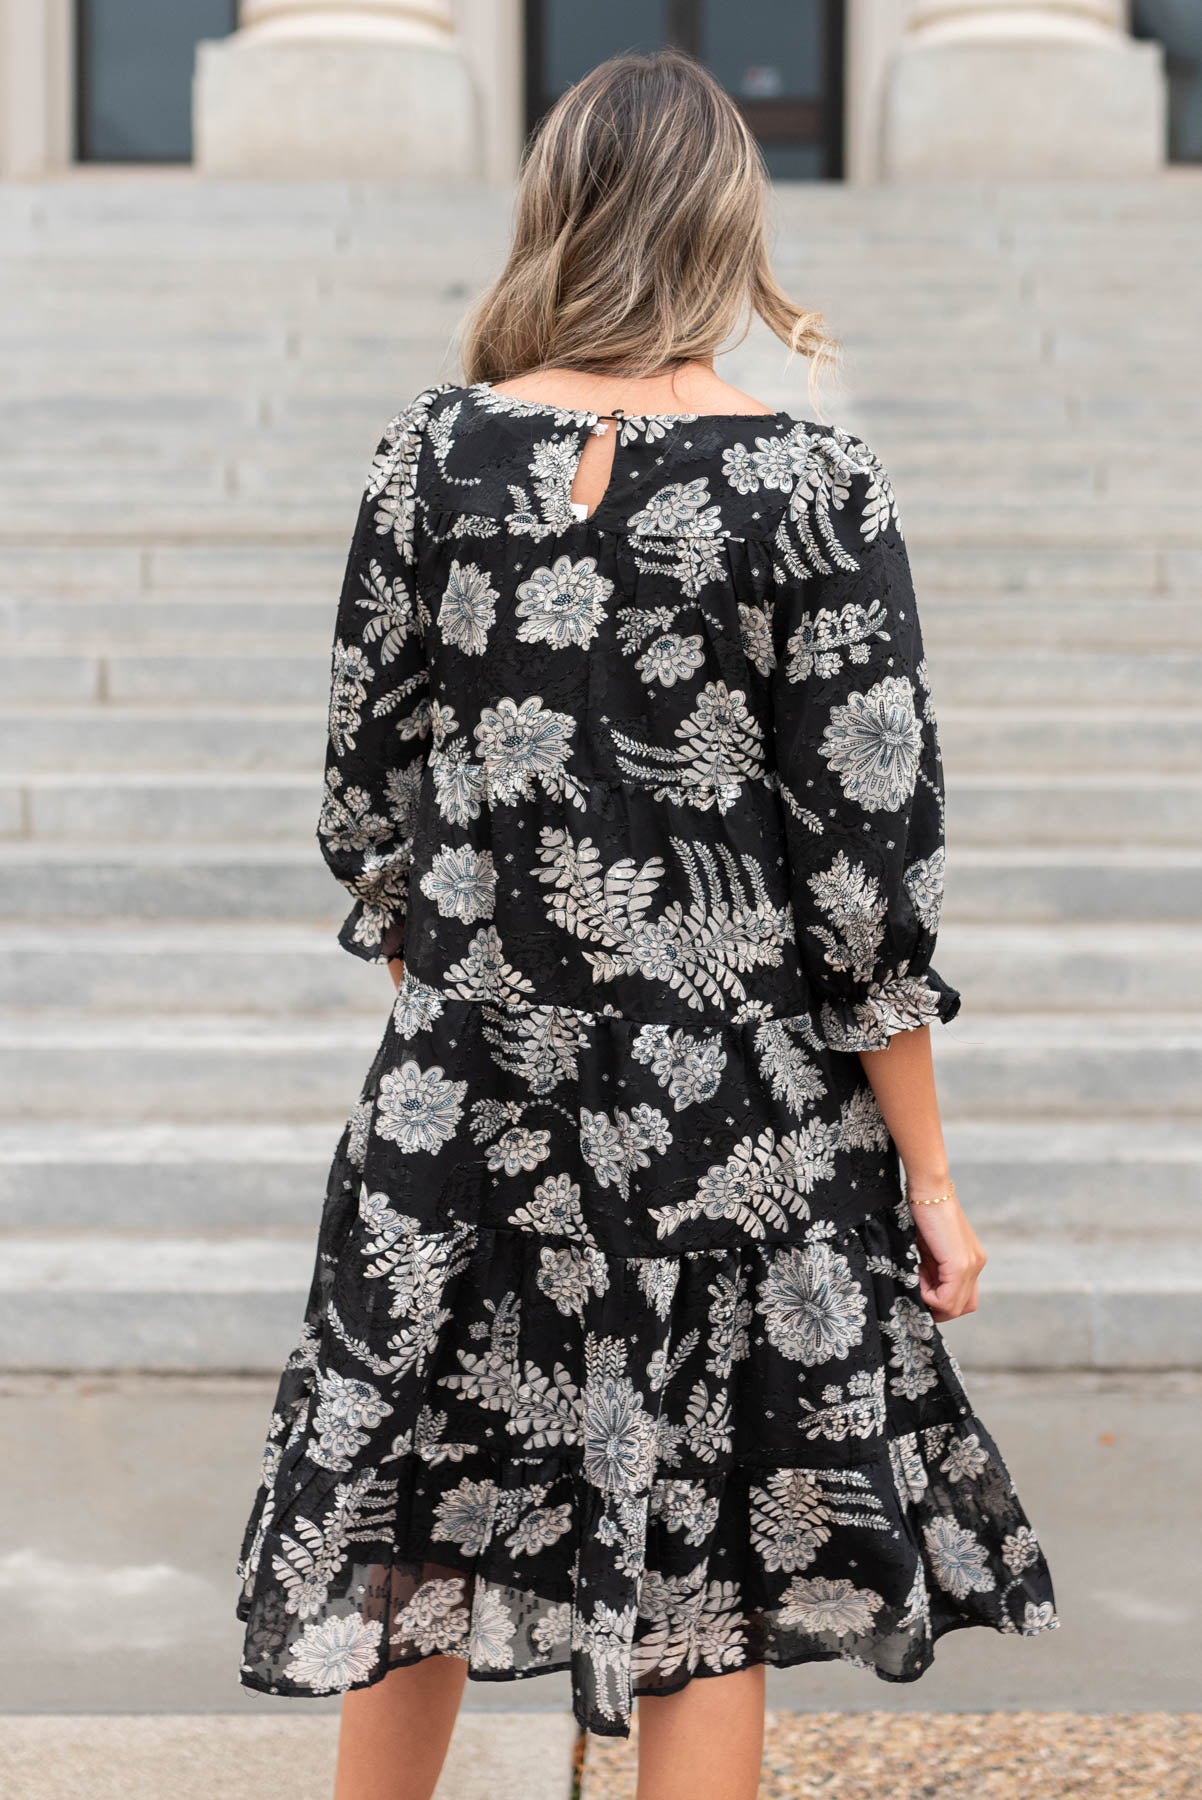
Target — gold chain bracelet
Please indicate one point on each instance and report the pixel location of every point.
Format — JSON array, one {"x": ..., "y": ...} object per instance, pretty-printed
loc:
[{"x": 934, "y": 1199}]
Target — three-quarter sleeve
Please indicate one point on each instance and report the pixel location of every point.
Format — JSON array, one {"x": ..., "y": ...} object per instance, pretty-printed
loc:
[
  {"x": 857, "y": 753},
  {"x": 379, "y": 710}
]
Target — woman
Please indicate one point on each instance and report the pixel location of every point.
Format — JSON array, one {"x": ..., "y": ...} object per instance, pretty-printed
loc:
[{"x": 621, "y": 1355}]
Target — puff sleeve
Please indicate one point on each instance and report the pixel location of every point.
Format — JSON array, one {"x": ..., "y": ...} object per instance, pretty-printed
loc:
[
  {"x": 379, "y": 706},
  {"x": 857, "y": 752}
]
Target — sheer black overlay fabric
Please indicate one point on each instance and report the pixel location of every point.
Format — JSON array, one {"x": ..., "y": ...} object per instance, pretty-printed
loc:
[{"x": 614, "y": 1359}]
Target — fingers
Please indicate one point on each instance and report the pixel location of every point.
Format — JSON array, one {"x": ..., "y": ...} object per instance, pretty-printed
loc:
[
  {"x": 951, "y": 1301},
  {"x": 951, "y": 1292},
  {"x": 950, "y": 1261}
]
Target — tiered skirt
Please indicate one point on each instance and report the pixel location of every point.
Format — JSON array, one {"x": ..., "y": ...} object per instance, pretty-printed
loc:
[{"x": 501, "y": 1439}]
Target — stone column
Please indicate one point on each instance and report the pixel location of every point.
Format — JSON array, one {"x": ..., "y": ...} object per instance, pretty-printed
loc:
[
  {"x": 37, "y": 87},
  {"x": 371, "y": 90},
  {"x": 1022, "y": 88}
]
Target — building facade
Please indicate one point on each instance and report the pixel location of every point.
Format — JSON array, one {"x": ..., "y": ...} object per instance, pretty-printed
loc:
[{"x": 858, "y": 90}]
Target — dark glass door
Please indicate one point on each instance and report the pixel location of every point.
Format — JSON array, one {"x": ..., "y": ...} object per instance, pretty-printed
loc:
[
  {"x": 134, "y": 75},
  {"x": 781, "y": 60},
  {"x": 1177, "y": 24}
]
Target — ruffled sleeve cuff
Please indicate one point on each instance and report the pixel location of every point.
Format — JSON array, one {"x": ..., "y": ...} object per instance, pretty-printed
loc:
[
  {"x": 374, "y": 929},
  {"x": 373, "y": 934},
  {"x": 901, "y": 1003}
]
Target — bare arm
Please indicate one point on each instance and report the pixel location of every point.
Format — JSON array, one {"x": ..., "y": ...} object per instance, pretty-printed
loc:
[{"x": 902, "y": 1078}]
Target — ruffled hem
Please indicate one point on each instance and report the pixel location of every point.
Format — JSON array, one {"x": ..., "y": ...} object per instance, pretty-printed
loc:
[
  {"x": 742, "y": 1569},
  {"x": 637, "y": 1469}
]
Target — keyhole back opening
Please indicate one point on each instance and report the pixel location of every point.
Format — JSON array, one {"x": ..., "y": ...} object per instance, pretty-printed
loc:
[{"x": 594, "y": 469}]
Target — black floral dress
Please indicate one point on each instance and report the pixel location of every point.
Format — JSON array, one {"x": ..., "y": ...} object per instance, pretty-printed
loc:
[{"x": 614, "y": 1359}]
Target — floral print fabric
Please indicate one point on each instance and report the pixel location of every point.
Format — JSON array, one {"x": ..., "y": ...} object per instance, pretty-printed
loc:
[{"x": 614, "y": 1359}]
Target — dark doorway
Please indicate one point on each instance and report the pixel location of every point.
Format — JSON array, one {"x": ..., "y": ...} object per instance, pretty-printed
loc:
[
  {"x": 134, "y": 75},
  {"x": 781, "y": 60},
  {"x": 1177, "y": 24}
]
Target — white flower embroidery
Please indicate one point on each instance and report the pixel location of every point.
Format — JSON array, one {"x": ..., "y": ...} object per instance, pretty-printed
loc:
[
  {"x": 468, "y": 609},
  {"x": 333, "y": 1653},
  {"x": 874, "y": 743},
  {"x": 417, "y": 1109},
  {"x": 462, "y": 883},
  {"x": 562, "y": 605}
]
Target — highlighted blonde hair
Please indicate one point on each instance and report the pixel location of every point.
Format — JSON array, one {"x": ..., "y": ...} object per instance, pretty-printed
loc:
[{"x": 640, "y": 237}]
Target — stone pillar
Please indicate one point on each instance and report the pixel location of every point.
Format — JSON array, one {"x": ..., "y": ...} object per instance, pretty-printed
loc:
[
  {"x": 37, "y": 87},
  {"x": 1022, "y": 88},
  {"x": 371, "y": 90}
]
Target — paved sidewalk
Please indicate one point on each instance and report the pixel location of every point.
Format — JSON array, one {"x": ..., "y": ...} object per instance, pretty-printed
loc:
[
  {"x": 124, "y": 1498},
  {"x": 511, "y": 1756}
]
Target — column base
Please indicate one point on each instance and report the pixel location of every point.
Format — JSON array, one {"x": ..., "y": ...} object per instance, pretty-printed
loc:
[
  {"x": 361, "y": 109},
  {"x": 1024, "y": 109}
]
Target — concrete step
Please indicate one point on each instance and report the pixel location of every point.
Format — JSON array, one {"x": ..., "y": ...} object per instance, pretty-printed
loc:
[
  {"x": 1114, "y": 1180},
  {"x": 266, "y": 969},
  {"x": 1092, "y": 1065},
  {"x": 202, "y": 1177},
  {"x": 1044, "y": 570},
  {"x": 1001, "y": 675},
  {"x": 194, "y": 1066},
  {"x": 251, "y": 675},
  {"x": 81, "y": 807},
  {"x": 174, "y": 622},
  {"x": 1084, "y": 1180},
  {"x": 979, "y": 738},
  {"x": 269, "y": 674},
  {"x": 205, "y": 882},
  {"x": 1073, "y": 968},
  {"x": 1070, "y": 737},
  {"x": 313, "y": 515},
  {"x": 1081, "y": 884},
  {"x": 190, "y": 1067},
  {"x": 289, "y": 881},
  {"x": 283, "y": 567},
  {"x": 96, "y": 1301},
  {"x": 962, "y": 566},
  {"x": 1021, "y": 811},
  {"x": 272, "y": 968},
  {"x": 1091, "y": 621},
  {"x": 173, "y": 738},
  {"x": 252, "y": 807}
]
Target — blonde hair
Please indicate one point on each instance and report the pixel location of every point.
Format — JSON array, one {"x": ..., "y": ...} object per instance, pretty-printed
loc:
[{"x": 640, "y": 237}]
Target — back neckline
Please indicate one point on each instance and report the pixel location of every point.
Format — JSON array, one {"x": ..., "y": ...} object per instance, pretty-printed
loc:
[{"x": 580, "y": 412}]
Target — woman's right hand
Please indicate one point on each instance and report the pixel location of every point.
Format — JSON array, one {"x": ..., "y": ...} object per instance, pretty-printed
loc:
[{"x": 950, "y": 1259}]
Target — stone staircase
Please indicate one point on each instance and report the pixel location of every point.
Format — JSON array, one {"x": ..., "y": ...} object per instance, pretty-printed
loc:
[{"x": 195, "y": 375}]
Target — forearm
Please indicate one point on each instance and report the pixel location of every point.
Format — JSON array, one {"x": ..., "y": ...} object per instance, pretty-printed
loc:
[{"x": 902, "y": 1077}]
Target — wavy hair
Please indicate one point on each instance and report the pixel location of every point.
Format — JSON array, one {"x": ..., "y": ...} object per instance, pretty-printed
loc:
[{"x": 640, "y": 234}]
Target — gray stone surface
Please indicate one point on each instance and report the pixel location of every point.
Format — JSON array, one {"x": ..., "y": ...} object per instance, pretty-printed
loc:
[
  {"x": 215, "y": 805},
  {"x": 493, "y": 1756},
  {"x": 1056, "y": 810},
  {"x": 1024, "y": 105},
  {"x": 246, "y": 965},
  {"x": 343, "y": 105},
  {"x": 1078, "y": 884},
  {"x": 125, "y": 1499},
  {"x": 231, "y": 1303},
  {"x": 160, "y": 807},
  {"x": 1073, "y": 1180},
  {"x": 122, "y": 738},
  {"x": 246, "y": 1067}
]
